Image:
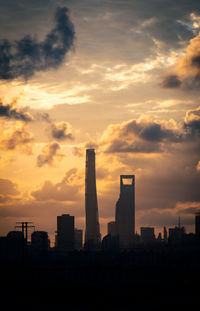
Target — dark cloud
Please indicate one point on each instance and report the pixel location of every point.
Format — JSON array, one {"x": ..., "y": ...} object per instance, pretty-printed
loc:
[
  {"x": 150, "y": 130},
  {"x": 196, "y": 61},
  {"x": 155, "y": 132},
  {"x": 27, "y": 56},
  {"x": 192, "y": 127},
  {"x": 140, "y": 23},
  {"x": 171, "y": 81},
  {"x": 18, "y": 138},
  {"x": 140, "y": 136},
  {"x": 192, "y": 124},
  {"x": 50, "y": 154},
  {"x": 66, "y": 190},
  {"x": 61, "y": 131},
  {"x": 9, "y": 112}
]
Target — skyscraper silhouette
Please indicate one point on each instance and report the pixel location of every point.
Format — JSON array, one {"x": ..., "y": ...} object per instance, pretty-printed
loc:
[
  {"x": 92, "y": 233},
  {"x": 65, "y": 232},
  {"x": 125, "y": 211}
]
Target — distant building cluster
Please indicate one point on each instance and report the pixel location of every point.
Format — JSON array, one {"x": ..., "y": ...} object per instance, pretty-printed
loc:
[{"x": 121, "y": 232}]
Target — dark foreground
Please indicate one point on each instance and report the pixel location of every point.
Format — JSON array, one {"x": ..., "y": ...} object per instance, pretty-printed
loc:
[{"x": 139, "y": 279}]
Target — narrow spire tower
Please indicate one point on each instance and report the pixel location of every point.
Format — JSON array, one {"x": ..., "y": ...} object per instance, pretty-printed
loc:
[{"x": 92, "y": 233}]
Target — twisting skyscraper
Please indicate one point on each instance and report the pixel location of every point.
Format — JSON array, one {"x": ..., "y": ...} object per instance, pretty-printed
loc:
[
  {"x": 92, "y": 233},
  {"x": 125, "y": 211}
]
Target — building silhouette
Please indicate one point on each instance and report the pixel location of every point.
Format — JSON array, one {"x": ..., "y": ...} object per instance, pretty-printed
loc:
[
  {"x": 165, "y": 238},
  {"x": 65, "y": 233},
  {"x": 159, "y": 238},
  {"x": 78, "y": 239},
  {"x": 176, "y": 235},
  {"x": 14, "y": 245},
  {"x": 92, "y": 232},
  {"x": 112, "y": 228},
  {"x": 147, "y": 234},
  {"x": 197, "y": 224},
  {"x": 125, "y": 211},
  {"x": 40, "y": 240}
]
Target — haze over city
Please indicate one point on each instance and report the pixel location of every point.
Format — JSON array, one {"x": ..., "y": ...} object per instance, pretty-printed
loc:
[{"x": 118, "y": 76}]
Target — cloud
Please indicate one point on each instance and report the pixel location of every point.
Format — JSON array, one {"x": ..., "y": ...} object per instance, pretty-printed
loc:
[
  {"x": 186, "y": 72},
  {"x": 142, "y": 135},
  {"x": 50, "y": 153},
  {"x": 17, "y": 138},
  {"x": 27, "y": 56},
  {"x": 160, "y": 21},
  {"x": 118, "y": 145},
  {"x": 171, "y": 81},
  {"x": 192, "y": 123},
  {"x": 79, "y": 151},
  {"x": 9, "y": 112},
  {"x": 61, "y": 131},
  {"x": 7, "y": 187},
  {"x": 157, "y": 132},
  {"x": 8, "y": 190},
  {"x": 66, "y": 190},
  {"x": 42, "y": 116}
]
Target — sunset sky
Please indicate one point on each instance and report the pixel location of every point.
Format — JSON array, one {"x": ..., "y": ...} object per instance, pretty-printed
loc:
[{"x": 122, "y": 77}]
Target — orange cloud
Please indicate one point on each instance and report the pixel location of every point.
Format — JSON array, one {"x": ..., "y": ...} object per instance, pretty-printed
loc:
[
  {"x": 50, "y": 154},
  {"x": 142, "y": 135},
  {"x": 186, "y": 72},
  {"x": 8, "y": 190},
  {"x": 17, "y": 138},
  {"x": 61, "y": 131},
  {"x": 192, "y": 123},
  {"x": 66, "y": 190}
]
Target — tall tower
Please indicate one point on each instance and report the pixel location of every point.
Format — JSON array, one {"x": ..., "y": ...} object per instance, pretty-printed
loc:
[
  {"x": 92, "y": 233},
  {"x": 125, "y": 211}
]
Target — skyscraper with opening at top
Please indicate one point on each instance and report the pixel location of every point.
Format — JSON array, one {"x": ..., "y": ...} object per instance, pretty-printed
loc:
[{"x": 125, "y": 211}]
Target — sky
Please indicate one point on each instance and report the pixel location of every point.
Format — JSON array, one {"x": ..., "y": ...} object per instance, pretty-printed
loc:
[{"x": 122, "y": 77}]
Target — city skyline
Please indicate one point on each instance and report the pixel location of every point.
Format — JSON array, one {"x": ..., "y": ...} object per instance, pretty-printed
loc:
[
  {"x": 120, "y": 232},
  {"x": 119, "y": 77}
]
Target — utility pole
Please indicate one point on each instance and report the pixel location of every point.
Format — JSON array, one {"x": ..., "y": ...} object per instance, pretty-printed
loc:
[{"x": 25, "y": 225}]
